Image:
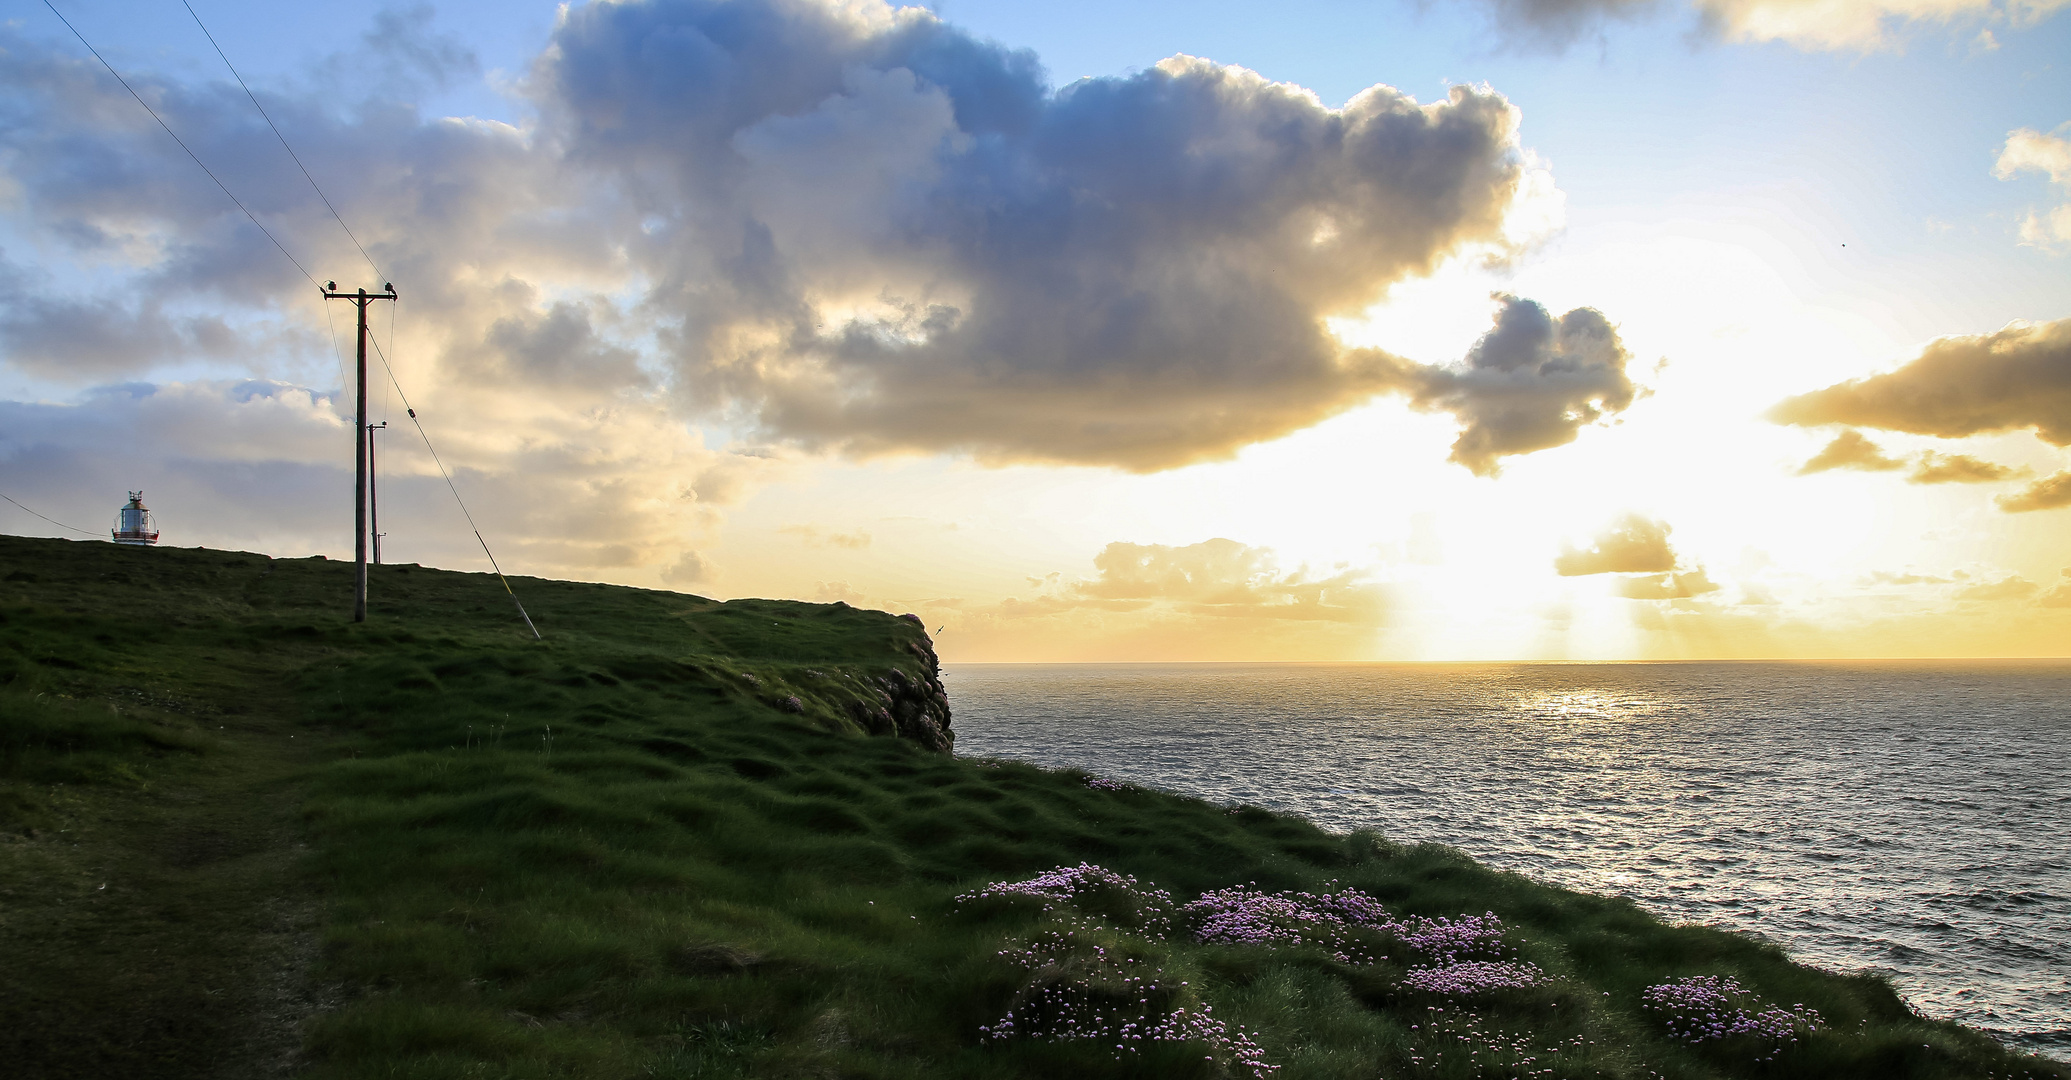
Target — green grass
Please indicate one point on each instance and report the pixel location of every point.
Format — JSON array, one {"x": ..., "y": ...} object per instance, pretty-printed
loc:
[{"x": 441, "y": 849}]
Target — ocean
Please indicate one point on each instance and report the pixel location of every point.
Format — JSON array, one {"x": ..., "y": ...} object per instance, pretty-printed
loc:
[{"x": 1913, "y": 818}]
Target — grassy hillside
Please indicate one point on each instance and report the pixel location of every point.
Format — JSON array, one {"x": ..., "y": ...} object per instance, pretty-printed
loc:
[{"x": 240, "y": 836}]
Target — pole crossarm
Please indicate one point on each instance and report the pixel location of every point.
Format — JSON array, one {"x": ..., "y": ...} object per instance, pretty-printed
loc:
[
  {"x": 360, "y": 298},
  {"x": 388, "y": 293}
]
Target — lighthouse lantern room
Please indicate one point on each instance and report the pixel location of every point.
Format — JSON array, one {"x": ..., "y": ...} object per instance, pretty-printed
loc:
[{"x": 133, "y": 523}]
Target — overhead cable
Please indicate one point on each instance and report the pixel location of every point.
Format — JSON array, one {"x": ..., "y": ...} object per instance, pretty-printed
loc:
[
  {"x": 53, "y": 521},
  {"x": 176, "y": 138},
  {"x": 283, "y": 140}
]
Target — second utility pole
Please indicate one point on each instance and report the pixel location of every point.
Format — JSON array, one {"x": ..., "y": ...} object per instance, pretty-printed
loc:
[{"x": 360, "y": 300}]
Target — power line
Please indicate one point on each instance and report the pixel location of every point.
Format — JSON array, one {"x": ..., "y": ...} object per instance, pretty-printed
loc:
[
  {"x": 53, "y": 521},
  {"x": 385, "y": 366},
  {"x": 283, "y": 140},
  {"x": 298, "y": 266},
  {"x": 448, "y": 477},
  {"x": 169, "y": 131}
]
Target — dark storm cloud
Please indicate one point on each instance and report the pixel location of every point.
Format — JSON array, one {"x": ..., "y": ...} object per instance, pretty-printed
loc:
[
  {"x": 1529, "y": 384},
  {"x": 2019, "y": 377}
]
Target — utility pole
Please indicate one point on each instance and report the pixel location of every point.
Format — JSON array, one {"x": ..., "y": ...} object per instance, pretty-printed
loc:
[
  {"x": 374, "y": 491},
  {"x": 360, "y": 300}
]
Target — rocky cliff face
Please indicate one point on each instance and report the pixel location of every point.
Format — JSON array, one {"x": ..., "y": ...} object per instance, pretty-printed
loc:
[{"x": 909, "y": 705}]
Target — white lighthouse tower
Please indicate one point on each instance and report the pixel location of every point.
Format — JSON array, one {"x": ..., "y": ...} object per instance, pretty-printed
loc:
[{"x": 133, "y": 523}]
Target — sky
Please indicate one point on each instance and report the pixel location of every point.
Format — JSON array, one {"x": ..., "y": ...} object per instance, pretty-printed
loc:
[{"x": 1565, "y": 330}]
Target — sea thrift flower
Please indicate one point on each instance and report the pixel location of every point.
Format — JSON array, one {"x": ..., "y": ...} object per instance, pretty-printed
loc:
[
  {"x": 1702, "y": 1008},
  {"x": 1450, "y": 940},
  {"x": 1102, "y": 783},
  {"x": 1470, "y": 977},
  {"x": 1084, "y": 991},
  {"x": 1094, "y": 889},
  {"x": 1335, "y": 920}
]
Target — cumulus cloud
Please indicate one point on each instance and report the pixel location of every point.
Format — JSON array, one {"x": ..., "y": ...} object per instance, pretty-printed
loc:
[
  {"x": 1841, "y": 25},
  {"x": 881, "y": 235},
  {"x": 846, "y": 227},
  {"x": 1531, "y": 383},
  {"x": 2018, "y": 377},
  {"x": 2029, "y": 150},
  {"x": 2048, "y": 493},
  {"x": 1218, "y": 578},
  {"x": 690, "y": 568},
  {"x": 1851, "y": 450},
  {"x": 2059, "y": 597},
  {"x": 253, "y": 464},
  {"x": 1633, "y": 544},
  {"x": 1669, "y": 586},
  {"x": 1553, "y": 25},
  {"x": 1637, "y": 549},
  {"x": 1933, "y": 468},
  {"x": 1862, "y": 25}
]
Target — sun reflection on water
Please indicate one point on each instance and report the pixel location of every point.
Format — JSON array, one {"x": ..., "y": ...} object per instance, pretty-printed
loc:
[{"x": 1586, "y": 704}]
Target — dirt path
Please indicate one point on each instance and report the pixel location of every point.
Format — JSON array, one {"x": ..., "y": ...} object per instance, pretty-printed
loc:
[{"x": 164, "y": 930}]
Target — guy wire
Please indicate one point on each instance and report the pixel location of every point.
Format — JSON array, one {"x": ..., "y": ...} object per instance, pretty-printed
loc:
[{"x": 448, "y": 477}]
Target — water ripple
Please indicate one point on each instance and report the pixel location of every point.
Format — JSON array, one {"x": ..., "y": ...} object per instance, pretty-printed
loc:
[{"x": 1914, "y": 819}]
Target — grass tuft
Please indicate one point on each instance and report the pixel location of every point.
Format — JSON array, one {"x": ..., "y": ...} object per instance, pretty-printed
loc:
[{"x": 679, "y": 839}]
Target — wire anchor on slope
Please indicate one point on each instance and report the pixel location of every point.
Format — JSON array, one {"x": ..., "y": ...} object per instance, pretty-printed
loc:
[{"x": 450, "y": 486}]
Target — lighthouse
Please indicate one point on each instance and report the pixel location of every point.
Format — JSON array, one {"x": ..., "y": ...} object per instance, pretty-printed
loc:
[{"x": 133, "y": 524}]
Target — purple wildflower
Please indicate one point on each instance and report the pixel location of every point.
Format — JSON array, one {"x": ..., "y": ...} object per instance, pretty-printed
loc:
[
  {"x": 1080, "y": 990},
  {"x": 1094, "y": 889},
  {"x": 1470, "y": 977},
  {"x": 1702, "y": 1008}
]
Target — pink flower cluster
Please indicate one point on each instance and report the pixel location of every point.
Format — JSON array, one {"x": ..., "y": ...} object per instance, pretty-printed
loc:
[
  {"x": 1701, "y": 1008},
  {"x": 1247, "y": 916},
  {"x": 1095, "y": 889},
  {"x": 1244, "y": 915},
  {"x": 1080, "y": 988},
  {"x": 1450, "y": 940},
  {"x": 1474, "y": 977},
  {"x": 1102, "y": 783},
  {"x": 1116, "y": 1001}
]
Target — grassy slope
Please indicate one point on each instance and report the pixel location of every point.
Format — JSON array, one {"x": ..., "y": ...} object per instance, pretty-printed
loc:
[{"x": 615, "y": 854}]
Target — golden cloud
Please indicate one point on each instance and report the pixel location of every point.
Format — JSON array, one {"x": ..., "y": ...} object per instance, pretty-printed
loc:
[
  {"x": 1633, "y": 544},
  {"x": 1851, "y": 450},
  {"x": 2048, "y": 493},
  {"x": 2018, "y": 377}
]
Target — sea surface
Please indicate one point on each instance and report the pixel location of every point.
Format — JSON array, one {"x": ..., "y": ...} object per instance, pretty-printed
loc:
[{"x": 1913, "y": 818}]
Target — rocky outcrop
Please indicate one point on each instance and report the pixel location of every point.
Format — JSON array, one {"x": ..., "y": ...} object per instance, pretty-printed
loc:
[{"x": 911, "y": 705}]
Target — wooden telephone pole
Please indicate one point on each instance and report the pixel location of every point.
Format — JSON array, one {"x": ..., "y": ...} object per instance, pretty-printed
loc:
[{"x": 360, "y": 300}]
